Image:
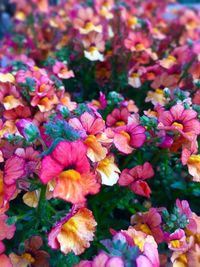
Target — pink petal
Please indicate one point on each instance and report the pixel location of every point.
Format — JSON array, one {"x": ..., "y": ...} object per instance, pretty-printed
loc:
[
  {"x": 49, "y": 169},
  {"x": 14, "y": 169},
  {"x": 115, "y": 262},
  {"x": 121, "y": 143}
]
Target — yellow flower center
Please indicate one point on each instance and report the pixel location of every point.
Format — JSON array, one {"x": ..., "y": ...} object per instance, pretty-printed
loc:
[
  {"x": 194, "y": 159},
  {"x": 178, "y": 125},
  {"x": 120, "y": 123},
  {"x": 70, "y": 174},
  {"x": 145, "y": 228},
  {"x": 175, "y": 243},
  {"x": 135, "y": 75},
  {"x": 104, "y": 163},
  {"x": 132, "y": 21},
  {"x": 1, "y": 186},
  {"x": 159, "y": 91},
  {"x": 90, "y": 139},
  {"x": 171, "y": 58},
  {"x": 139, "y": 47},
  {"x": 70, "y": 226},
  {"x": 92, "y": 49},
  {"x": 89, "y": 26},
  {"x": 126, "y": 135},
  {"x": 28, "y": 257}
]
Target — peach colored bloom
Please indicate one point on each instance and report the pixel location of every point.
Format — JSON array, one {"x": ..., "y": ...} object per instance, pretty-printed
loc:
[
  {"x": 62, "y": 71},
  {"x": 73, "y": 233},
  {"x": 71, "y": 169}
]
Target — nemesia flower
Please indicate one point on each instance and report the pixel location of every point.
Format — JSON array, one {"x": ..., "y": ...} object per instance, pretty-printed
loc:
[
  {"x": 137, "y": 42},
  {"x": 88, "y": 124},
  {"x": 86, "y": 21},
  {"x": 179, "y": 119},
  {"x": 193, "y": 164},
  {"x": 9, "y": 96},
  {"x": 94, "y": 45},
  {"x": 73, "y": 233},
  {"x": 5, "y": 261},
  {"x": 6, "y": 231},
  {"x": 156, "y": 97},
  {"x": 134, "y": 178},
  {"x": 118, "y": 117},
  {"x": 108, "y": 171},
  {"x": 149, "y": 222},
  {"x": 184, "y": 208},
  {"x": 71, "y": 169},
  {"x": 178, "y": 242},
  {"x": 6, "y": 191},
  {"x": 62, "y": 71},
  {"x": 128, "y": 137},
  {"x": 102, "y": 260},
  {"x": 14, "y": 168}
]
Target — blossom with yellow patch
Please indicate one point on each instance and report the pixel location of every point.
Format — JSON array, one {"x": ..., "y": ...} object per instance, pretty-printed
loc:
[
  {"x": 73, "y": 233},
  {"x": 108, "y": 170},
  {"x": 7, "y": 77},
  {"x": 168, "y": 62},
  {"x": 156, "y": 97},
  {"x": 194, "y": 167}
]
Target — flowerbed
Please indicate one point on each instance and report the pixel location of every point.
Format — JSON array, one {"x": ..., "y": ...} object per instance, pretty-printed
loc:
[{"x": 100, "y": 108}]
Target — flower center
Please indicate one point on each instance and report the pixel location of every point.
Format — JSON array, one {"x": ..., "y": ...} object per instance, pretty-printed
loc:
[
  {"x": 178, "y": 125},
  {"x": 120, "y": 123},
  {"x": 28, "y": 257},
  {"x": 145, "y": 228},
  {"x": 70, "y": 174},
  {"x": 171, "y": 58},
  {"x": 126, "y": 135},
  {"x": 92, "y": 49},
  {"x": 175, "y": 243},
  {"x": 70, "y": 226},
  {"x": 139, "y": 47},
  {"x": 89, "y": 26},
  {"x": 194, "y": 159}
]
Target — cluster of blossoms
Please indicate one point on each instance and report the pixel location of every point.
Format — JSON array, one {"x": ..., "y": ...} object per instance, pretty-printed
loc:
[{"x": 99, "y": 135}]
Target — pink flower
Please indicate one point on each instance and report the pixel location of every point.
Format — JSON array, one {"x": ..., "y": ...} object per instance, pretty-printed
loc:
[
  {"x": 14, "y": 169},
  {"x": 149, "y": 222},
  {"x": 134, "y": 178},
  {"x": 181, "y": 120},
  {"x": 150, "y": 257},
  {"x": 137, "y": 42},
  {"x": 69, "y": 165},
  {"x": 5, "y": 261},
  {"x": 184, "y": 208},
  {"x": 88, "y": 124},
  {"x": 178, "y": 242},
  {"x": 6, "y": 231},
  {"x": 118, "y": 117},
  {"x": 128, "y": 137},
  {"x": 62, "y": 71},
  {"x": 102, "y": 260}
]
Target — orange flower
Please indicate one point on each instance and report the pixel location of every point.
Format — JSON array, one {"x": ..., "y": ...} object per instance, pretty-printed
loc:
[
  {"x": 74, "y": 232},
  {"x": 194, "y": 167}
]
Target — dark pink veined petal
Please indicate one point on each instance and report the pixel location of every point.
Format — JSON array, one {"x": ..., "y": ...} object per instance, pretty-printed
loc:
[
  {"x": 62, "y": 153},
  {"x": 50, "y": 169},
  {"x": 14, "y": 169},
  {"x": 147, "y": 171},
  {"x": 192, "y": 126}
]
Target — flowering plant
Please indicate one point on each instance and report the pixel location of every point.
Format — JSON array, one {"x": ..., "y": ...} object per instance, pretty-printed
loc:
[{"x": 99, "y": 135}]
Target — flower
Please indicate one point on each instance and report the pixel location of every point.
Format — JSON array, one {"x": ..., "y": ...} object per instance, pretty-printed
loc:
[
  {"x": 128, "y": 137},
  {"x": 14, "y": 169},
  {"x": 108, "y": 170},
  {"x": 118, "y": 117},
  {"x": 134, "y": 178},
  {"x": 32, "y": 254},
  {"x": 5, "y": 261},
  {"x": 149, "y": 222},
  {"x": 62, "y": 71},
  {"x": 73, "y": 233},
  {"x": 71, "y": 169},
  {"x": 193, "y": 164},
  {"x": 137, "y": 42},
  {"x": 6, "y": 231},
  {"x": 102, "y": 260}
]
